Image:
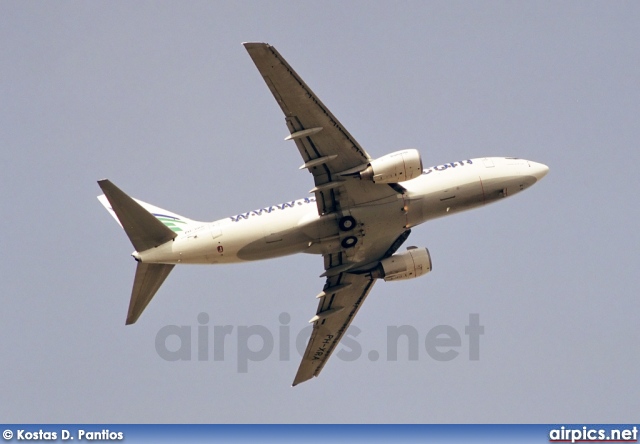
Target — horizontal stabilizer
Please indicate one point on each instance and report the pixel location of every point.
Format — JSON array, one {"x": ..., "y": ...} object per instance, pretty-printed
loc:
[
  {"x": 144, "y": 229},
  {"x": 149, "y": 278}
]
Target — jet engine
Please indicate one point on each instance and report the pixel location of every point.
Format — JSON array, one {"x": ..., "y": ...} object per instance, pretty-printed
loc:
[
  {"x": 395, "y": 167},
  {"x": 407, "y": 265}
]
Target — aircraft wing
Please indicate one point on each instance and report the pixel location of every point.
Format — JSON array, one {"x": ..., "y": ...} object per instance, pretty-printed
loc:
[
  {"x": 340, "y": 300},
  {"x": 326, "y": 147}
]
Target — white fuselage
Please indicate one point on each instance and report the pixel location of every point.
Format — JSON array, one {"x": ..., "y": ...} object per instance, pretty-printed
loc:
[{"x": 296, "y": 226}]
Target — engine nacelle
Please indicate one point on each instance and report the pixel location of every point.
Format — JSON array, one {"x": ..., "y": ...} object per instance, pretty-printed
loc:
[
  {"x": 408, "y": 265},
  {"x": 395, "y": 167}
]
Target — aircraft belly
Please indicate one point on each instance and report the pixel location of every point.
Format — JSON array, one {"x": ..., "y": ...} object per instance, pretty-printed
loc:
[
  {"x": 375, "y": 225},
  {"x": 280, "y": 243},
  {"x": 272, "y": 236},
  {"x": 444, "y": 200},
  {"x": 465, "y": 196}
]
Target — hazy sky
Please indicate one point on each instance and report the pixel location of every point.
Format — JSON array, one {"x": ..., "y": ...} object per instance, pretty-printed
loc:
[{"x": 162, "y": 99}]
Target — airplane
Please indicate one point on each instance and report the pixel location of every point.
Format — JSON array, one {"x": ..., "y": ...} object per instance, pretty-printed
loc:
[{"x": 360, "y": 212}]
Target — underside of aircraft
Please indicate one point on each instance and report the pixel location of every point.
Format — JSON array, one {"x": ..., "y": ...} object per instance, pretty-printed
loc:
[{"x": 361, "y": 213}]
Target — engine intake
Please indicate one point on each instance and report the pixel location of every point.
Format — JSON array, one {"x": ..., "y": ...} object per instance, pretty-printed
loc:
[
  {"x": 407, "y": 265},
  {"x": 395, "y": 167}
]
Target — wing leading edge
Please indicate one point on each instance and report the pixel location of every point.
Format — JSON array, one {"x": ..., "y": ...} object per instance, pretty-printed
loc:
[
  {"x": 326, "y": 147},
  {"x": 306, "y": 115}
]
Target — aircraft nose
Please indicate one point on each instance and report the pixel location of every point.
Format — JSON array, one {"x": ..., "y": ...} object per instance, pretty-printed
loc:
[{"x": 539, "y": 169}]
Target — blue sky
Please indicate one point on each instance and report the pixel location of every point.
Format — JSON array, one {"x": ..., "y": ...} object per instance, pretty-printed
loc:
[{"x": 162, "y": 99}]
